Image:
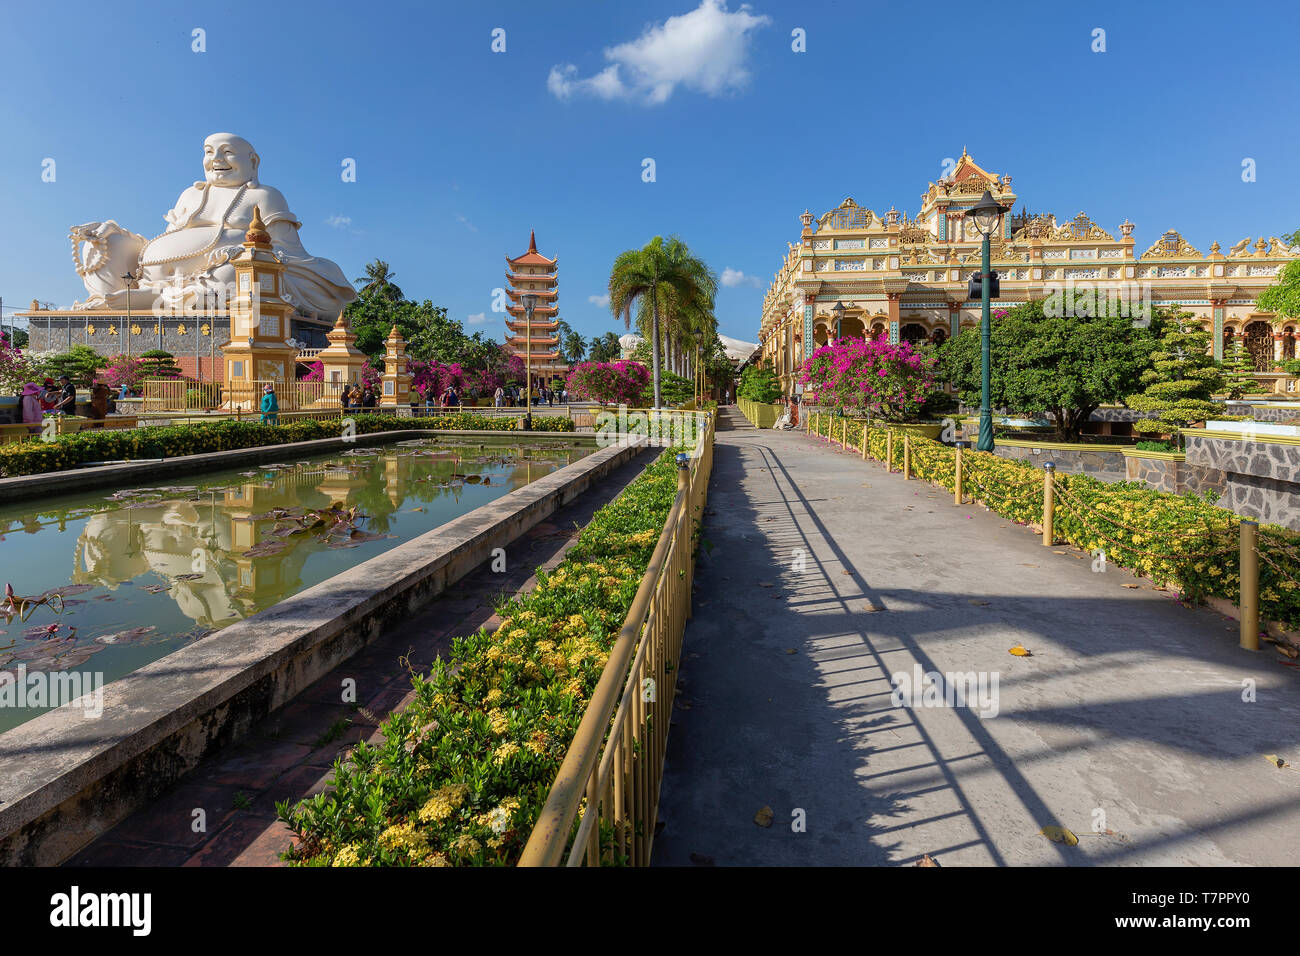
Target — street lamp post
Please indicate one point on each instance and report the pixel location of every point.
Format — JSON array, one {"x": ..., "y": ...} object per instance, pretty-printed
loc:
[
  {"x": 838, "y": 310},
  {"x": 530, "y": 303},
  {"x": 986, "y": 213},
  {"x": 130, "y": 278}
]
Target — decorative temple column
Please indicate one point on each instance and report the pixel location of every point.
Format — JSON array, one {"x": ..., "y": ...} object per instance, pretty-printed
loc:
[
  {"x": 258, "y": 351},
  {"x": 341, "y": 360},
  {"x": 396, "y": 379}
]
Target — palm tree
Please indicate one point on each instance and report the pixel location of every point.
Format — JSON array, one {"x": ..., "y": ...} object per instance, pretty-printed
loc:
[
  {"x": 667, "y": 276},
  {"x": 379, "y": 280},
  {"x": 606, "y": 348},
  {"x": 575, "y": 346}
]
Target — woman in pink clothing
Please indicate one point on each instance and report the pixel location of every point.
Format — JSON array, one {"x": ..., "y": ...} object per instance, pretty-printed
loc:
[{"x": 31, "y": 403}]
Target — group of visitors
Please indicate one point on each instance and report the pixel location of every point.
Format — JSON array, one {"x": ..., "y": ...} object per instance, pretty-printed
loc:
[
  {"x": 512, "y": 396},
  {"x": 60, "y": 398},
  {"x": 359, "y": 397}
]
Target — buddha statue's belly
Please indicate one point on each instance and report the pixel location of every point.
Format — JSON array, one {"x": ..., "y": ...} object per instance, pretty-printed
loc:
[{"x": 186, "y": 251}]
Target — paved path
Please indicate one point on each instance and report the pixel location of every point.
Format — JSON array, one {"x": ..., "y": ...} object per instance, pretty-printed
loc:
[
  {"x": 290, "y": 755},
  {"x": 1129, "y": 713}
]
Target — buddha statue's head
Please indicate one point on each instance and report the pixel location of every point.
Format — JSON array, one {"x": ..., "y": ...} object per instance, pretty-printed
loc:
[{"x": 229, "y": 160}]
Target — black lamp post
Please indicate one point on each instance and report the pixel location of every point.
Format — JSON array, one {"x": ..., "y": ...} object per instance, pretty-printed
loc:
[
  {"x": 986, "y": 213},
  {"x": 130, "y": 278},
  {"x": 838, "y": 310},
  {"x": 530, "y": 303}
]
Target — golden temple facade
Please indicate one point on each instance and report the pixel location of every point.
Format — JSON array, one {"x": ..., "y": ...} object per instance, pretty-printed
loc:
[{"x": 907, "y": 279}]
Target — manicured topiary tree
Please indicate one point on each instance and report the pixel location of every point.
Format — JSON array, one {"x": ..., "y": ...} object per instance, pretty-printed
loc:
[
  {"x": 1181, "y": 381},
  {"x": 1238, "y": 369}
]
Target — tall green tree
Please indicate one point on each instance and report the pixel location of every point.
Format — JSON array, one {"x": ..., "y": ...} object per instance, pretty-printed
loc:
[
  {"x": 640, "y": 274},
  {"x": 378, "y": 281},
  {"x": 1283, "y": 296},
  {"x": 1066, "y": 364},
  {"x": 575, "y": 347},
  {"x": 606, "y": 348}
]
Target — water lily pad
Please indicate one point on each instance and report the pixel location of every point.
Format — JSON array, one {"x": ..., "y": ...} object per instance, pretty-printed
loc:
[{"x": 130, "y": 636}]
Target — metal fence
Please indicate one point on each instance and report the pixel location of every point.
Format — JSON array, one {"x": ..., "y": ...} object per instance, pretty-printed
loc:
[
  {"x": 615, "y": 762},
  {"x": 179, "y": 395}
]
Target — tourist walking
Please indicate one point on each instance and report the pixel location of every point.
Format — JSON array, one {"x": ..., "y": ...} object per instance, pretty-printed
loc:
[
  {"x": 345, "y": 399},
  {"x": 270, "y": 406},
  {"x": 368, "y": 397},
  {"x": 498, "y": 397}
]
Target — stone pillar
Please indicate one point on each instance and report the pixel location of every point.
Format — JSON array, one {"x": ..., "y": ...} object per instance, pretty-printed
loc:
[{"x": 893, "y": 317}]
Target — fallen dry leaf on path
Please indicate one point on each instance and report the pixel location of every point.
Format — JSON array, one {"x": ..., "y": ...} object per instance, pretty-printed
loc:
[
  {"x": 1021, "y": 651},
  {"x": 927, "y": 860},
  {"x": 764, "y": 817},
  {"x": 1060, "y": 835}
]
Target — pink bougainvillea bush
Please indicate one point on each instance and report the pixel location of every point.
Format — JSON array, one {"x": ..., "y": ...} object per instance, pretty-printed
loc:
[
  {"x": 888, "y": 381},
  {"x": 619, "y": 383}
]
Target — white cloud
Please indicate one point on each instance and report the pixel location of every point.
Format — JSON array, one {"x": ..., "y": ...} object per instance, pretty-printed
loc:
[
  {"x": 705, "y": 50},
  {"x": 478, "y": 318},
  {"x": 600, "y": 300},
  {"x": 734, "y": 277},
  {"x": 469, "y": 225},
  {"x": 339, "y": 222}
]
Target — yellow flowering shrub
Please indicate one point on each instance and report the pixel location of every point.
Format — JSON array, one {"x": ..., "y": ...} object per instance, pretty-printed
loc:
[{"x": 463, "y": 771}]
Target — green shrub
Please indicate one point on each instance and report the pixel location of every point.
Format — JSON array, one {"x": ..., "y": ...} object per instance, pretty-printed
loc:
[
  {"x": 172, "y": 441},
  {"x": 464, "y": 770}
]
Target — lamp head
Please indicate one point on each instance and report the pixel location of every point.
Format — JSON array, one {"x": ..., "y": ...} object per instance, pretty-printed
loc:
[
  {"x": 529, "y": 300},
  {"x": 986, "y": 214},
  {"x": 838, "y": 309}
]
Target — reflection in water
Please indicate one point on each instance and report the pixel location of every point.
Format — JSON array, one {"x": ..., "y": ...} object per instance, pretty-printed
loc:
[{"x": 155, "y": 568}]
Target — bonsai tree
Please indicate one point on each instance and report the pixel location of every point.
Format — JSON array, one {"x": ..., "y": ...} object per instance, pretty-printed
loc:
[
  {"x": 758, "y": 383},
  {"x": 81, "y": 364},
  {"x": 889, "y": 381},
  {"x": 157, "y": 363},
  {"x": 1238, "y": 369},
  {"x": 1066, "y": 364},
  {"x": 1181, "y": 381}
]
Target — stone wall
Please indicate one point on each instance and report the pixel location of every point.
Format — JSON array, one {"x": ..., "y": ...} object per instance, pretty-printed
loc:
[
  {"x": 61, "y": 332},
  {"x": 1262, "y": 478},
  {"x": 1104, "y": 464},
  {"x": 1175, "y": 476},
  {"x": 1263, "y": 413}
]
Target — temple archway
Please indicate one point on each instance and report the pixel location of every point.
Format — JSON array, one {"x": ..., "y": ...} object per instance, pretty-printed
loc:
[
  {"x": 912, "y": 332},
  {"x": 1259, "y": 344}
]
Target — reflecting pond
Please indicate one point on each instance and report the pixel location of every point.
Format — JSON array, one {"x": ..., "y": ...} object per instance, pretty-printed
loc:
[{"x": 123, "y": 578}]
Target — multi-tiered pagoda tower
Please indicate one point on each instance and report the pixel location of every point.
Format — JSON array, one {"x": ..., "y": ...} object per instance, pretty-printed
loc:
[{"x": 536, "y": 342}]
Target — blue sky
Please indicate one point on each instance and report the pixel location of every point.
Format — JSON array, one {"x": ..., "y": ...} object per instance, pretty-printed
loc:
[{"x": 460, "y": 151}]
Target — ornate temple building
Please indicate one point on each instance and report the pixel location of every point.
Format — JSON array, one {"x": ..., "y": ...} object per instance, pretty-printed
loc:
[
  {"x": 537, "y": 341},
  {"x": 906, "y": 279}
]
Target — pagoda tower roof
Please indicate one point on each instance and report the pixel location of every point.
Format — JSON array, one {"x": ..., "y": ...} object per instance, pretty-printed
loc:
[
  {"x": 532, "y": 257},
  {"x": 517, "y": 294},
  {"x": 548, "y": 279}
]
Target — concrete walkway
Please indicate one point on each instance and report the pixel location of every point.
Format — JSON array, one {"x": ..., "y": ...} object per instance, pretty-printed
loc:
[{"x": 1128, "y": 718}]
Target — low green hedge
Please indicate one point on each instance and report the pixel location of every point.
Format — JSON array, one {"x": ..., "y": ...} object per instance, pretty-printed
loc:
[
  {"x": 464, "y": 770},
  {"x": 1182, "y": 541},
  {"x": 172, "y": 441}
]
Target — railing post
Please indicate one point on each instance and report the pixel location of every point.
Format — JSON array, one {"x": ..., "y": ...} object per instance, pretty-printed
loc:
[
  {"x": 1049, "y": 503},
  {"x": 957, "y": 495},
  {"x": 844, "y": 433},
  {"x": 864, "y": 440},
  {"x": 907, "y": 457},
  {"x": 1249, "y": 576}
]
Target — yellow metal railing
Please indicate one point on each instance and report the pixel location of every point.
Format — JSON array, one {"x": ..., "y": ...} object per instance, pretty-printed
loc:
[
  {"x": 180, "y": 395},
  {"x": 54, "y": 425},
  {"x": 614, "y": 766}
]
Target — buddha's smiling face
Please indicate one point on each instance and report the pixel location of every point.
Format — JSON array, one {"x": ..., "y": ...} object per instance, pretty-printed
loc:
[{"x": 228, "y": 160}]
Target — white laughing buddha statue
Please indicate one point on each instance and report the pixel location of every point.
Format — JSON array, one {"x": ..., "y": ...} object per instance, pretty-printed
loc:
[{"x": 188, "y": 264}]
